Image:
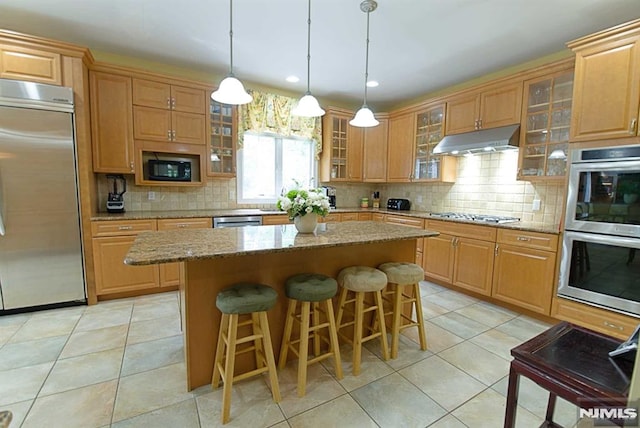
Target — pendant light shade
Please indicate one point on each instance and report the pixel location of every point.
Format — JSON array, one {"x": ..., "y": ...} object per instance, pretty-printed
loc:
[
  {"x": 231, "y": 90},
  {"x": 364, "y": 117},
  {"x": 308, "y": 106}
]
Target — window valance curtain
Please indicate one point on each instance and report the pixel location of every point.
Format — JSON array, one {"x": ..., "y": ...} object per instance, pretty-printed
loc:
[{"x": 272, "y": 113}]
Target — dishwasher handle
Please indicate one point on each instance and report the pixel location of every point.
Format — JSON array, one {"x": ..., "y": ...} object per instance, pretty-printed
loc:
[{"x": 237, "y": 221}]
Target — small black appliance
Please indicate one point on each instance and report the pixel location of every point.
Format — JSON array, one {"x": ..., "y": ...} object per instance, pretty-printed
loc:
[
  {"x": 330, "y": 192},
  {"x": 117, "y": 189},
  {"x": 169, "y": 170},
  {"x": 398, "y": 204}
]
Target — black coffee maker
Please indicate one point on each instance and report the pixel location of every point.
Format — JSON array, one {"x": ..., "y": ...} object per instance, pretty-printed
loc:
[
  {"x": 117, "y": 188},
  {"x": 330, "y": 192}
]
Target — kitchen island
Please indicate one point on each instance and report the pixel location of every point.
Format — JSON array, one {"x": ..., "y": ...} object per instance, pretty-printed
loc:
[{"x": 217, "y": 258}]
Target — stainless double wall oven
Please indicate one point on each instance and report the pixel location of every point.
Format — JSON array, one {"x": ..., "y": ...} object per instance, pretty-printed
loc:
[{"x": 599, "y": 264}]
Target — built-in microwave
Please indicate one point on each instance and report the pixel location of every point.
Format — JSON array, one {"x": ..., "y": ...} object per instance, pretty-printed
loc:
[{"x": 169, "y": 170}]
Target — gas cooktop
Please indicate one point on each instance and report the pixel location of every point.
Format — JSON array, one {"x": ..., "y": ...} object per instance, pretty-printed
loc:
[{"x": 480, "y": 218}]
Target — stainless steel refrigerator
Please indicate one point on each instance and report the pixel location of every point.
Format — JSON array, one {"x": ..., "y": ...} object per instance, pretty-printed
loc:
[{"x": 41, "y": 260}]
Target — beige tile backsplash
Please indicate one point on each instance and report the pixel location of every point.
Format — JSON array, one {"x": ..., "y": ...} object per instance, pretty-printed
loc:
[{"x": 485, "y": 184}]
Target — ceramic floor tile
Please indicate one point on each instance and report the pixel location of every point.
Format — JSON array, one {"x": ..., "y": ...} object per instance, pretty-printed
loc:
[
  {"x": 151, "y": 390},
  {"x": 341, "y": 412},
  {"x": 497, "y": 342},
  {"x": 459, "y": 325},
  {"x": 409, "y": 351},
  {"x": 452, "y": 300},
  {"x": 83, "y": 370},
  {"x": 169, "y": 296},
  {"x": 483, "y": 365},
  {"x": 449, "y": 421},
  {"x": 102, "y": 339},
  {"x": 39, "y": 327},
  {"x": 23, "y": 383},
  {"x": 90, "y": 406},
  {"x": 105, "y": 318},
  {"x": 16, "y": 319},
  {"x": 153, "y": 354},
  {"x": 19, "y": 411},
  {"x": 427, "y": 288},
  {"x": 143, "y": 331},
  {"x": 534, "y": 398},
  {"x": 486, "y": 410},
  {"x": 487, "y": 314},
  {"x": 183, "y": 415},
  {"x": 371, "y": 368},
  {"x": 438, "y": 339},
  {"x": 442, "y": 382},
  {"x": 153, "y": 310},
  {"x": 523, "y": 328},
  {"x": 30, "y": 353},
  {"x": 393, "y": 402},
  {"x": 430, "y": 309},
  {"x": 321, "y": 387},
  {"x": 252, "y": 405}
]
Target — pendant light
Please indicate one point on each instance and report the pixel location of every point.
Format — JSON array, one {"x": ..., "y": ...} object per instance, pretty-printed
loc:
[
  {"x": 308, "y": 105},
  {"x": 364, "y": 117},
  {"x": 231, "y": 90}
]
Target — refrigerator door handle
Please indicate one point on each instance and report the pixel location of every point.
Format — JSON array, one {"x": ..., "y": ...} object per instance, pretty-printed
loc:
[{"x": 2, "y": 231}]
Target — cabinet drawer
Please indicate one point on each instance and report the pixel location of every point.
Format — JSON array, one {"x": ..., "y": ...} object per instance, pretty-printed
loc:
[
  {"x": 541, "y": 241},
  {"x": 365, "y": 216},
  {"x": 377, "y": 217},
  {"x": 406, "y": 221},
  {"x": 332, "y": 218},
  {"x": 600, "y": 320},
  {"x": 349, "y": 216},
  {"x": 275, "y": 219},
  {"x": 121, "y": 227},
  {"x": 184, "y": 223},
  {"x": 484, "y": 233}
]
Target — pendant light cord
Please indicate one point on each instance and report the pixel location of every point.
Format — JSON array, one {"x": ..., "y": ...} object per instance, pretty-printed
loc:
[
  {"x": 231, "y": 37},
  {"x": 366, "y": 61},
  {"x": 309, "y": 49}
]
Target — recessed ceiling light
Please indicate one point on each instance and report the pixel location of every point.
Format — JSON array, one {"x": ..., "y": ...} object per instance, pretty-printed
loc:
[
  {"x": 292, "y": 79},
  {"x": 372, "y": 83}
]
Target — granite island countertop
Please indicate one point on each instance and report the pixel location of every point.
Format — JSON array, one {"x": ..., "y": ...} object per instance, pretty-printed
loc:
[
  {"x": 184, "y": 245},
  {"x": 143, "y": 215}
]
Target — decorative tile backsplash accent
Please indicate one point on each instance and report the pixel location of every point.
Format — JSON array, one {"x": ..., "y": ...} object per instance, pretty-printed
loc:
[{"x": 486, "y": 184}]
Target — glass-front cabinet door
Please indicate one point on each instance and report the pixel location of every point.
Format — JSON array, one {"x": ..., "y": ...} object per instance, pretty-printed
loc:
[
  {"x": 544, "y": 138},
  {"x": 339, "y": 148},
  {"x": 429, "y": 132},
  {"x": 222, "y": 139}
]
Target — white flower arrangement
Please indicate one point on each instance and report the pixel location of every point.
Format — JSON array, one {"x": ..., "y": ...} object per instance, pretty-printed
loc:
[{"x": 299, "y": 202}]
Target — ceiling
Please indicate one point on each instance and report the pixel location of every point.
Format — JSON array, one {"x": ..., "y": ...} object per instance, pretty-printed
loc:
[{"x": 416, "y": 46}]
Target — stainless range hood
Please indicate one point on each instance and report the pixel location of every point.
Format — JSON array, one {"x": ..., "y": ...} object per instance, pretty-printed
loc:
[{"x": 477, "y": 142}]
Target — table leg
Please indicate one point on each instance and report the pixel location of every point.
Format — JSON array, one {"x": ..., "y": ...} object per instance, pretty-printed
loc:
[
  {"x": 512, "y": 399},
  {"x": 551, "y": 406}
]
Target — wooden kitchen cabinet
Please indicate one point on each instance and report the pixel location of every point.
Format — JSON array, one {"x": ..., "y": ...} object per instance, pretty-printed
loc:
[
  {"x": 111, "y": 242},
  {"x": 170, "y": 273},
  {"x": 276, "y": 219},
  {"x": 400, "y": 153},
  {"x": 544, "y": 133},
  {"x": 606, "y": 92},
  {"x": 111, "y": 123},
  {"x": 497, "y": 105},
  {"x": 429, "y": 131},
  {"x": 222, "y": 130},
  {"x": 33, "y": 65},
  {"x": 374, "y": 168},
  {"x": 462, "y": 255},
  {"x": 349, "y": 217},
  {"x": 168, "y": 113},
  {"x": 411, "y": 222},
  {"x": 341, "y": 158},
  {"x": 524, "y": 270},
  {"x": 365, "y": 216}
]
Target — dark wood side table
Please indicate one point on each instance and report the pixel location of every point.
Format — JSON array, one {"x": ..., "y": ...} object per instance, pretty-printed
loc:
[{"x": 573, "y": 363}]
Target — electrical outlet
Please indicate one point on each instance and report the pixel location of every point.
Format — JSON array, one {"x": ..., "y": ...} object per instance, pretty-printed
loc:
[
  {"x": 151, "y": 196},
  {"x": 419, "y": 198},
  {"x": 535, "y": 206}
]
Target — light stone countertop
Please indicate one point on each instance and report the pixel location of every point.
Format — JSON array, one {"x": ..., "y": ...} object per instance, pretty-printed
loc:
[
  {"x": 195, "y": 244},
  {"x": 143, "y": 215}
]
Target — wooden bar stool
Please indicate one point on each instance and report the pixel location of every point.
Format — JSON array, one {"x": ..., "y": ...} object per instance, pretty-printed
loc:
[
  {"x": 361, "y": 280},
  {"x": 400, "y": 276},
  {"x": 252, "y": 300},
  {"x": 312, "y": 291}
]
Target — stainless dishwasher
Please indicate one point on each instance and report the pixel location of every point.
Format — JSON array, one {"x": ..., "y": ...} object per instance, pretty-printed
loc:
[{"x": 237, "y": 221}]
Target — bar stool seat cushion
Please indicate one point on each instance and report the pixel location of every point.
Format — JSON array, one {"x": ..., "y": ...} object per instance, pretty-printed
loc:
[
  {"x": 311, "y": 287},
  {"x": 245, "y": 298},
  {"x": 362, "y": 278},
  {"x": 402, "y": 273}
]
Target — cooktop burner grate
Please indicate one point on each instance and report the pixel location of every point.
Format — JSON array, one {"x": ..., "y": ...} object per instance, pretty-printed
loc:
[{"x": 480, "y": 218}]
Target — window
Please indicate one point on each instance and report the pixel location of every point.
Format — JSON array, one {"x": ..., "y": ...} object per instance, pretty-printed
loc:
[{"x": 267, "y": 163}]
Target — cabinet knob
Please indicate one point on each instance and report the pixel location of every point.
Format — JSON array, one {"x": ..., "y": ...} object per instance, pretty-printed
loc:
[
  {"x": 169, "y": 135},
  {"x": 632, "y": 128},
  {"x": 131, "y": 166},
  {"x": 173, "y": 103},
  {"x": 610, "y": 325},
  {"x": 479, "y": 123},
  {"x": 523, "y": 238},
  {"x": 125, "y": 227},
  {"x": 173, "y": 135},
  {"x": 475, "y": 124},
  {"x": 169, "y": 103}
]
